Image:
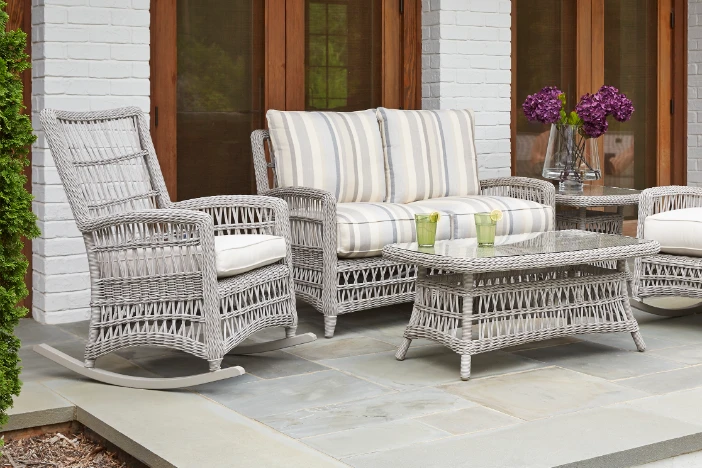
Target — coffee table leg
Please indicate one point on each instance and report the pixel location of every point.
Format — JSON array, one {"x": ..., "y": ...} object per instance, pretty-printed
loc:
[
  {"x": 402, "y": 350},
  {"x": 622, "y": 266},
  {"x": 467, "y": 323}
]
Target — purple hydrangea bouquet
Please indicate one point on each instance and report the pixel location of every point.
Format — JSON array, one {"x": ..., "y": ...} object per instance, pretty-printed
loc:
[{"x": 572, "y": 154}]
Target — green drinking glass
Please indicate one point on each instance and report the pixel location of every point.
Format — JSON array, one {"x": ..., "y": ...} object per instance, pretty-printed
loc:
[
  {"x": 485, "y": 225},
  {"x": 426, "y": 229}
]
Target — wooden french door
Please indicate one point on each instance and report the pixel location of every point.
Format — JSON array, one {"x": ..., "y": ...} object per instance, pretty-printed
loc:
[
  {"x": 638, "y": 46},
  {"x": 218, "y": 65}
]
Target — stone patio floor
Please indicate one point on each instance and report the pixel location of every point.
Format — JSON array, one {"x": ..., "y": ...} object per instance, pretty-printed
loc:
[{"x": 586, "y": 401}]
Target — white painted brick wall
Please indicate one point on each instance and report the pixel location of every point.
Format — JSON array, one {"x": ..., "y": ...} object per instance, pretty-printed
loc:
[
  {"x": 694, "y": 94},
  {"x": 466, "y": 47},
  {"x": 86, "y": 55}
]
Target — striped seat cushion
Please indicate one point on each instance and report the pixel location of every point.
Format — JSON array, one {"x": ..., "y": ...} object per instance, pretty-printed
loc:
[
  {"x": 340, "y": 152},
  {"x": 428, "y": 154},
  {"x": 363, "y": 229}
]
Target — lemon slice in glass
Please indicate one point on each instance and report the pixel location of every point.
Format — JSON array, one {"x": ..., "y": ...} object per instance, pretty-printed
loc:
[
  {"x": 434, "y": 217},
  {"x": 496, "y": 215}
]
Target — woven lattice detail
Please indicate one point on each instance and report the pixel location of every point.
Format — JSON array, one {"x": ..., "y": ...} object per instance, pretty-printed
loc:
[
  {"x": 595, "y": 221},
  {"x": 477, "y": 313},
  {"x": 152, "y": 261},
  {"x": 667, "y": 275},
  {"x": 334, "y": 286}
]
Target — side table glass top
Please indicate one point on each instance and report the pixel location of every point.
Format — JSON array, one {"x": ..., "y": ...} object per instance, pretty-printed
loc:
[
  {"x": 590, "y": 190},
  {"x": 599, "y": 195},
  {"x": 523, "y": 244}
]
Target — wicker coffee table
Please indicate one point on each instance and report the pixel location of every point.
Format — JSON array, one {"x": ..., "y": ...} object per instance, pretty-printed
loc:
[
  {"x": 595, "y": 196},
  {"x": 526, "y": 288}
]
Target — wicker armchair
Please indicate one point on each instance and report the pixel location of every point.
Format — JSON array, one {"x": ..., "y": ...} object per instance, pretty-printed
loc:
[
  {"x": 336, "y": 286},
  {"x": 152, "y": 261},
  {"x": 667, "y": 274}
]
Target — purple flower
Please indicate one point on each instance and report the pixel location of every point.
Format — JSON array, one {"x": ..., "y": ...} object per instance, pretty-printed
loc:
[
  {"x": 592, "y": 109},
  {"x": 544, "y": 106},
  {"x": 622, "y": 108},
  {"x": 616, "y": 103}
]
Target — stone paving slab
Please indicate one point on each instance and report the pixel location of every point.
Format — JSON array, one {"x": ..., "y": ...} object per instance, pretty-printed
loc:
[
  {"x": 369, "y": 439},
  {"x": 368, "y": 411},
  {"x": 543, "y": 443},
  {"x": 38, "y": 406},
  {"x": 543, "y": 392},
  {"x": 601, "y": 361},
  {"x": 183, "y": 429}
]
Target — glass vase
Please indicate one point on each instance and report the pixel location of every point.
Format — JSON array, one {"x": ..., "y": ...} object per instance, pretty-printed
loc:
[{"x": 571, "y": 158}]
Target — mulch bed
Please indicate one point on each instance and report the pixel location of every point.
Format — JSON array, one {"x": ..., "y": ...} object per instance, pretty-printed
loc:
[{"x": 58, "y": 450}]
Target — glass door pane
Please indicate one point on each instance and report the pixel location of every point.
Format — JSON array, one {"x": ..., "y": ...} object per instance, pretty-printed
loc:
[
  {"x": 342, "y": 54},
  {"x": 631, "y": 65},
  {"x": 545, "y": 57},
  {"x": 219, "y": 94}
]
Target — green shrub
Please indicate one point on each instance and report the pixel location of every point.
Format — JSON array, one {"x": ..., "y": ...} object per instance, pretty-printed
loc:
[{"x": 16, "y": 218}]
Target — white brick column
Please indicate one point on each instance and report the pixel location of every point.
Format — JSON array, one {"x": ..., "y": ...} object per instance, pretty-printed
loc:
[
  {"x": 694, "y": 93},
  {"x": 86, "y": 55},
  {"x": 466, "y": 47}
]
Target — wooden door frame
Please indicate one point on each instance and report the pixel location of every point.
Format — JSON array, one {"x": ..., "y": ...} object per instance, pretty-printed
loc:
[
  {"x": 401, "y": 54},
  {"x": 671, "y": 136},
  {"x": 284, "y": 66},
  {"x": 19, "y": 12}
]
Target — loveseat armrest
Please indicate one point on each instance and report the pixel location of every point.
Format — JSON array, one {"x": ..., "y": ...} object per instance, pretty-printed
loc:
[
  {"x": 312, "y": 221},
  {"x": 659, "y": 199},
  {"x": 523, "y": 188}
]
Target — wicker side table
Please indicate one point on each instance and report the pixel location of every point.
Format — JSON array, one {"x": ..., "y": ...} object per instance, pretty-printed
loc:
[
  {"x": 526, "y": 288},
  {"x": 591, "y": 220}
]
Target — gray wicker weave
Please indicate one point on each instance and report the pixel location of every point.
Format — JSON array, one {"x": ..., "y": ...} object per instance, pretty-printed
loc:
[
  {"x": 336, "y": 286},
  {"x": 595, "y": 196},
  {"x": 152, "y": 261},
  {"x": 477, "y": 299},
  {"x": 665, "y": 274}
]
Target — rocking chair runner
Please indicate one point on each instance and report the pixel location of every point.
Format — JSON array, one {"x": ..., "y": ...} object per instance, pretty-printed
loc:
[{"x": 154, "y": 263}]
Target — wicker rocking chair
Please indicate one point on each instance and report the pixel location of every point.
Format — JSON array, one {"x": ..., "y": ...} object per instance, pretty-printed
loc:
[
  {"x": 667, "y": 274},
  {"x": 153, "y": 264}
]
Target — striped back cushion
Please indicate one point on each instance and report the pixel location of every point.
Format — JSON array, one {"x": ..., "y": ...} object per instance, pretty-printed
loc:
[
  {"x": 428, "y": 154},
  {"x": 340, "y": 152}
]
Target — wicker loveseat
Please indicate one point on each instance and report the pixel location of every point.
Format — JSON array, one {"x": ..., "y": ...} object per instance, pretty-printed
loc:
[{"x": 354, "y": 181}]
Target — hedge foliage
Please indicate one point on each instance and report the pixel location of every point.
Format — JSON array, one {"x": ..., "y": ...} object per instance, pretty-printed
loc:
[{"x": 16, "y": 218}]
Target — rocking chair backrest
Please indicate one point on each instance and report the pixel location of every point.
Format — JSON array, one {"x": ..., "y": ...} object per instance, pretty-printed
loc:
[{"x": 106, "y": 161}]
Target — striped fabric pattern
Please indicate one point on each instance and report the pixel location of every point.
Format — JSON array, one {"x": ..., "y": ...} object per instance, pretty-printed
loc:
[
  {"x": 428, "y": 154},
  {"x": 340, "y": 152},
  {"x": 363, "y": 229}
]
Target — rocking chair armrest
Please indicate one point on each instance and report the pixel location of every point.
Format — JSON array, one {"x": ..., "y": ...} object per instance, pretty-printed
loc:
[
  {"x": 138, "y": 232},
  {"x": 524, "y": 188},
  {"x": 153, "y": 216},
  {"x": 238, "y": 214},
  {"x": 660, "y": 199}
]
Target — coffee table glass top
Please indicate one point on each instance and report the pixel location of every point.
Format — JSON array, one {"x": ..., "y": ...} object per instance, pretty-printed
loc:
[
  {"x": 602, "y": 191},
  {"x": 523, "y": 244}
]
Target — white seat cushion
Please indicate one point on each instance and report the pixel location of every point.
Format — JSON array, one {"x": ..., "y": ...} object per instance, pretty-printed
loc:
[
  {"x": 363, "y": 229},
  {"x": 339, "y": 152},
  {"x": 239, "y": 253},
  {"x": 428, "y": 154},
  {"x": 678, "y": 231}
]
